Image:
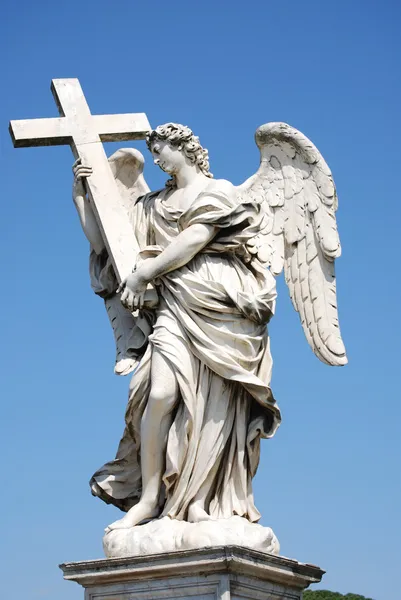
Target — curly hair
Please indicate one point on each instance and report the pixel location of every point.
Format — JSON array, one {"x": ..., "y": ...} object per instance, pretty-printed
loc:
[{"x": 181, "y": 136}]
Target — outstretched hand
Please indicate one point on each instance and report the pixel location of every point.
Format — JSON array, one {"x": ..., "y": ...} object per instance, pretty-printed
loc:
[{"x": 133, "y": 290}]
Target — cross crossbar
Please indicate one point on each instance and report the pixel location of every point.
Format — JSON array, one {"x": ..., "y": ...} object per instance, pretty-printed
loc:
[{"x": 85, "y": 133}]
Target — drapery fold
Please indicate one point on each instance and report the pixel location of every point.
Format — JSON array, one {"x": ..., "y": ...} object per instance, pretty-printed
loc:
[{"x": 211, "y": 328}]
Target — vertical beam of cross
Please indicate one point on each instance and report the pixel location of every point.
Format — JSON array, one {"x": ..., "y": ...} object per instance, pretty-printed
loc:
[{"x": 85, "y": 133}]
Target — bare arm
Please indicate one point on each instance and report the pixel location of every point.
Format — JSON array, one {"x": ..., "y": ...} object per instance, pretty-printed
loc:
[
  {"x": 85, "y": 212},
  {"x": 181, "y": 250},
  {"x": 177, "y": 254}
]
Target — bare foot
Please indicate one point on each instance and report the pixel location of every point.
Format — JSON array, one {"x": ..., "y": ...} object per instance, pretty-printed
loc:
[
  {"x": 197, "y": 513},
  {"x": 138, "y": 513}
]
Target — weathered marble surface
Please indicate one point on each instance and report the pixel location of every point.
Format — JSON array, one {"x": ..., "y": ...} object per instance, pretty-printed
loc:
[
  {"x": 196, "y": 263},
  {"x": 170, "y": 535},
  {"x": 219, "y": 573},
  {"x": 203, "y": 381},
  {"x": 85, "y": 133}
]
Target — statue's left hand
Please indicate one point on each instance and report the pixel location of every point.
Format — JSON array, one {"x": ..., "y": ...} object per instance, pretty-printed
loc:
[{"x": 133, "y": 290}]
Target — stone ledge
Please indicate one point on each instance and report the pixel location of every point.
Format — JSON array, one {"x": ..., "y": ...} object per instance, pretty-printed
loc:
[{"x": 228, "y": 560}]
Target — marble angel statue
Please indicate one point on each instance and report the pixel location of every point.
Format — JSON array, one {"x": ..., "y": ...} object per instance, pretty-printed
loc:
[{"x": 191, "y": 320}]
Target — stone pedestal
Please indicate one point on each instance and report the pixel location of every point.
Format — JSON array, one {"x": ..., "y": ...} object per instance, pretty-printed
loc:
[{"x": 223, "y": 572}]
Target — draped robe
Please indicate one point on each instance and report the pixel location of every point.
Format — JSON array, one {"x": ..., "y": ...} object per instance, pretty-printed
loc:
[{"x": 210, "y": 325}]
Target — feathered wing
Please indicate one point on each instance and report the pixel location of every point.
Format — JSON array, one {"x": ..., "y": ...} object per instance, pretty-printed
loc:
[
  {"x": 296, "y": 192},
  {"x": 127, "y": 167},
  {"x": 130, "y": 333}
]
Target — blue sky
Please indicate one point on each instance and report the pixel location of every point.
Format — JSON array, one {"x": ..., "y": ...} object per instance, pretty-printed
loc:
[{"x": 329, "y": 482}]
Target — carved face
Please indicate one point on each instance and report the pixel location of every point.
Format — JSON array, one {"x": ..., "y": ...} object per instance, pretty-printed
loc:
[{"x": 169, "y": 158}]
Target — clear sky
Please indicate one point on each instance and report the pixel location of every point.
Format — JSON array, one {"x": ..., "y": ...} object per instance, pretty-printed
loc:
[{"x": 329, "y": 482}]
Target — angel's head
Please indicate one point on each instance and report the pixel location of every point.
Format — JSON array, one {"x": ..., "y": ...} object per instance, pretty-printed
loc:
[{"x": 174, "y": 146}]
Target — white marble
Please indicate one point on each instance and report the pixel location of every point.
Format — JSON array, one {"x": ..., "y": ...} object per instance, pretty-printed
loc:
[
  {"x": 229, "y": 573},
  {"x": 194, "y": 267},
  {"x": 85, "y": 133},
  {"x": 204, "y": 379},
  {"x": 170, "y": 535}
]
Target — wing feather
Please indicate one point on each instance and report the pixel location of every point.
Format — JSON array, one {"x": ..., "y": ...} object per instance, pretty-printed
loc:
[
  {"x": 295, "y": 189},
  {"x": 127, "y": 167}
]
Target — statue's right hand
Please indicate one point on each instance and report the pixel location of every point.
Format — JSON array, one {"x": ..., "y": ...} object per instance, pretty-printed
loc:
[{"x": 81, "y": 172}]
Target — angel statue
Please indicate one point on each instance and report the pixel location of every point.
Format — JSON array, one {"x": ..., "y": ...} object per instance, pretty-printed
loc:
[{"x": 191, "y": 319}]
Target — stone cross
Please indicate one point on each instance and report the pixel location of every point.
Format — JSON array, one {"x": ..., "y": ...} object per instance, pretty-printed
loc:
[{"x": 85, "y": 133}]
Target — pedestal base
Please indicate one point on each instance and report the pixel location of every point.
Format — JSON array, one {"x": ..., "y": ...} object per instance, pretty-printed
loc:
[{"x": 219, "y": 573}]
